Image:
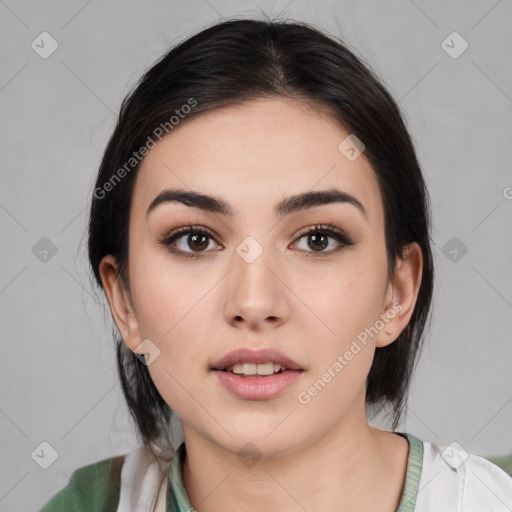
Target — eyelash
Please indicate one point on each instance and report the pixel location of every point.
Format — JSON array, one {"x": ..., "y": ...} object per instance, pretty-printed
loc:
[{"x": 340, "y": 236}]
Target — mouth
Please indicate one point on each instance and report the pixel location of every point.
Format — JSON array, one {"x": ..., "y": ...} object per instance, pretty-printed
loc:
[
  {"x": 252, "y": 363},
  {"x": 256, "y": 375},
  {"x": 255, "y": 370}
]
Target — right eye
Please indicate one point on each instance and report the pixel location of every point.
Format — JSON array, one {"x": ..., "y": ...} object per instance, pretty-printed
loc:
[{"x": 185, "y": 240}]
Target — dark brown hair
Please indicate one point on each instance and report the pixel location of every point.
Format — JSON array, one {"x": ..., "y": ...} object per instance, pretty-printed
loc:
[{"x": 228, "y": 64}]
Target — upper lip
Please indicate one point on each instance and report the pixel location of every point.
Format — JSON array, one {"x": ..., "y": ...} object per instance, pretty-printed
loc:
[{"x": 245, "y": 355}]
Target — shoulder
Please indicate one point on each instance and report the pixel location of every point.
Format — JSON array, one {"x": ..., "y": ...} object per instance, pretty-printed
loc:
[
  {"x": 452, "y": 477},
  {"x": 92, "y": 487}
]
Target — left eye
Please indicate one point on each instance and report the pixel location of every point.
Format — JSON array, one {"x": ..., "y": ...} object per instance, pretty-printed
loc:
[{"x": 318, "y": 239}]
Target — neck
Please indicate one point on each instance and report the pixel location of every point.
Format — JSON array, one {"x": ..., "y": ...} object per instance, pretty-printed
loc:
[{"x": 352, "y": 467}]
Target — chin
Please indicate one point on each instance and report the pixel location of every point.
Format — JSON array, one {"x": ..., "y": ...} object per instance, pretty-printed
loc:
[{"x": 248, "y": 439}]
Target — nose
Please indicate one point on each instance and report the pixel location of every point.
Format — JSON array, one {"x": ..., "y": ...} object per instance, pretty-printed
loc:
[{"x": 256, "y": 293}]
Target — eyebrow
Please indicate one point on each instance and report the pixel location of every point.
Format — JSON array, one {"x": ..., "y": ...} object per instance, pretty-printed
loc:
[{"x": 289, "y": 205}]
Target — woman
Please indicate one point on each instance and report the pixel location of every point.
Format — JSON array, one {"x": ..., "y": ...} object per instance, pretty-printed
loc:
[{"x": 260, "y": 227}]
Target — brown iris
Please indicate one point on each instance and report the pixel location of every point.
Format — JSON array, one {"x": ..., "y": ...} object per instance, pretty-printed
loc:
[
  {"x": 322, "y": 241},
  {"x": 199, "y": 241}
]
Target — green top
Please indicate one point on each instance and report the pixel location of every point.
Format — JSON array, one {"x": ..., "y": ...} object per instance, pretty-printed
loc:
[
  {"x": 97, "y": 486},
  {"x": 93, "y": 488}
]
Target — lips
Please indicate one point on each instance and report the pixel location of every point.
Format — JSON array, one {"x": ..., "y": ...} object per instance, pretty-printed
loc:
[
  {"x": 245, "y": 356},
  {"x": 256, "y": 374}
]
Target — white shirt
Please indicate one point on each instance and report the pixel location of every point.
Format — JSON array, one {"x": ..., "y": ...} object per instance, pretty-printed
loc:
[{"x": 452, "y": 480}]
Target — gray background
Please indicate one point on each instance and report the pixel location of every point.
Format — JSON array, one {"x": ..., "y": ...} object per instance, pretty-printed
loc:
[{"x": 58, "y": 382}]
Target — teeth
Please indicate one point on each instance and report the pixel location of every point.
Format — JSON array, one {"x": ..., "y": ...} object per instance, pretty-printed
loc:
[{"x": 255, "y": 369}]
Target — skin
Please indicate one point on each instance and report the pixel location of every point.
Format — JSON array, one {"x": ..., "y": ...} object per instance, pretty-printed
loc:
[{"x": 319, "y": 456}]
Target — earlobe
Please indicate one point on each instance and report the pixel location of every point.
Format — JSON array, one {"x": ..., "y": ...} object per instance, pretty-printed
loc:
[
  {"x": 401, "y": 295},
  {"x": 120, "y": 303}
]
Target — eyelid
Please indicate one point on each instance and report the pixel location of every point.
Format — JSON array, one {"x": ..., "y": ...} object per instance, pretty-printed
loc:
[{"x": 186, "y": 229}]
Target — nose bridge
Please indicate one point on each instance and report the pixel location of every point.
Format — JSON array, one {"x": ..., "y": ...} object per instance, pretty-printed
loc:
[{"x": 255, "y": 293}]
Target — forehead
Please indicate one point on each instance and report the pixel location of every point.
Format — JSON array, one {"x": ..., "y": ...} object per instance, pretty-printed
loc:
[{"x": 256, "y": 153}]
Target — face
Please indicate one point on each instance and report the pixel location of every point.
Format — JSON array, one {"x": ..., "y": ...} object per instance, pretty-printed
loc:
[{"x": 296, "y": 284}]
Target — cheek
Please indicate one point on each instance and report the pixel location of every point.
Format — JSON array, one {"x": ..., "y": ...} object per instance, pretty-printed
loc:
[
  {"x": 174, "y": 313},
  {"x": 345, "y": 299},
  {"x": 349, "y": 308},
  {"x": 164, "y": 296},
  {"x": 176, "y": 310}
]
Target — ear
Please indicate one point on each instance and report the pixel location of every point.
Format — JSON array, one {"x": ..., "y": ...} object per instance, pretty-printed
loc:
[
  {"x": 401, "y": 295},
  {"x": 120, "y": 302}
]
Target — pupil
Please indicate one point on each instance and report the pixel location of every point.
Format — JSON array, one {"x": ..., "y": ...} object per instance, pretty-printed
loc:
[
  {"x": 200, "y": 246},
  {"x": 318, "y": 238}
]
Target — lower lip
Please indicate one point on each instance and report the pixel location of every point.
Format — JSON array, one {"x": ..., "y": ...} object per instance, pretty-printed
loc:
[{"x": 258, "y": 388}]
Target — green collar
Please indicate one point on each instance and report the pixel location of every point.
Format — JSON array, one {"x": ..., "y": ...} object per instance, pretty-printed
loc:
[
  {"x": 412, "y": 477},
  {"x": 178, "y": 501}
]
